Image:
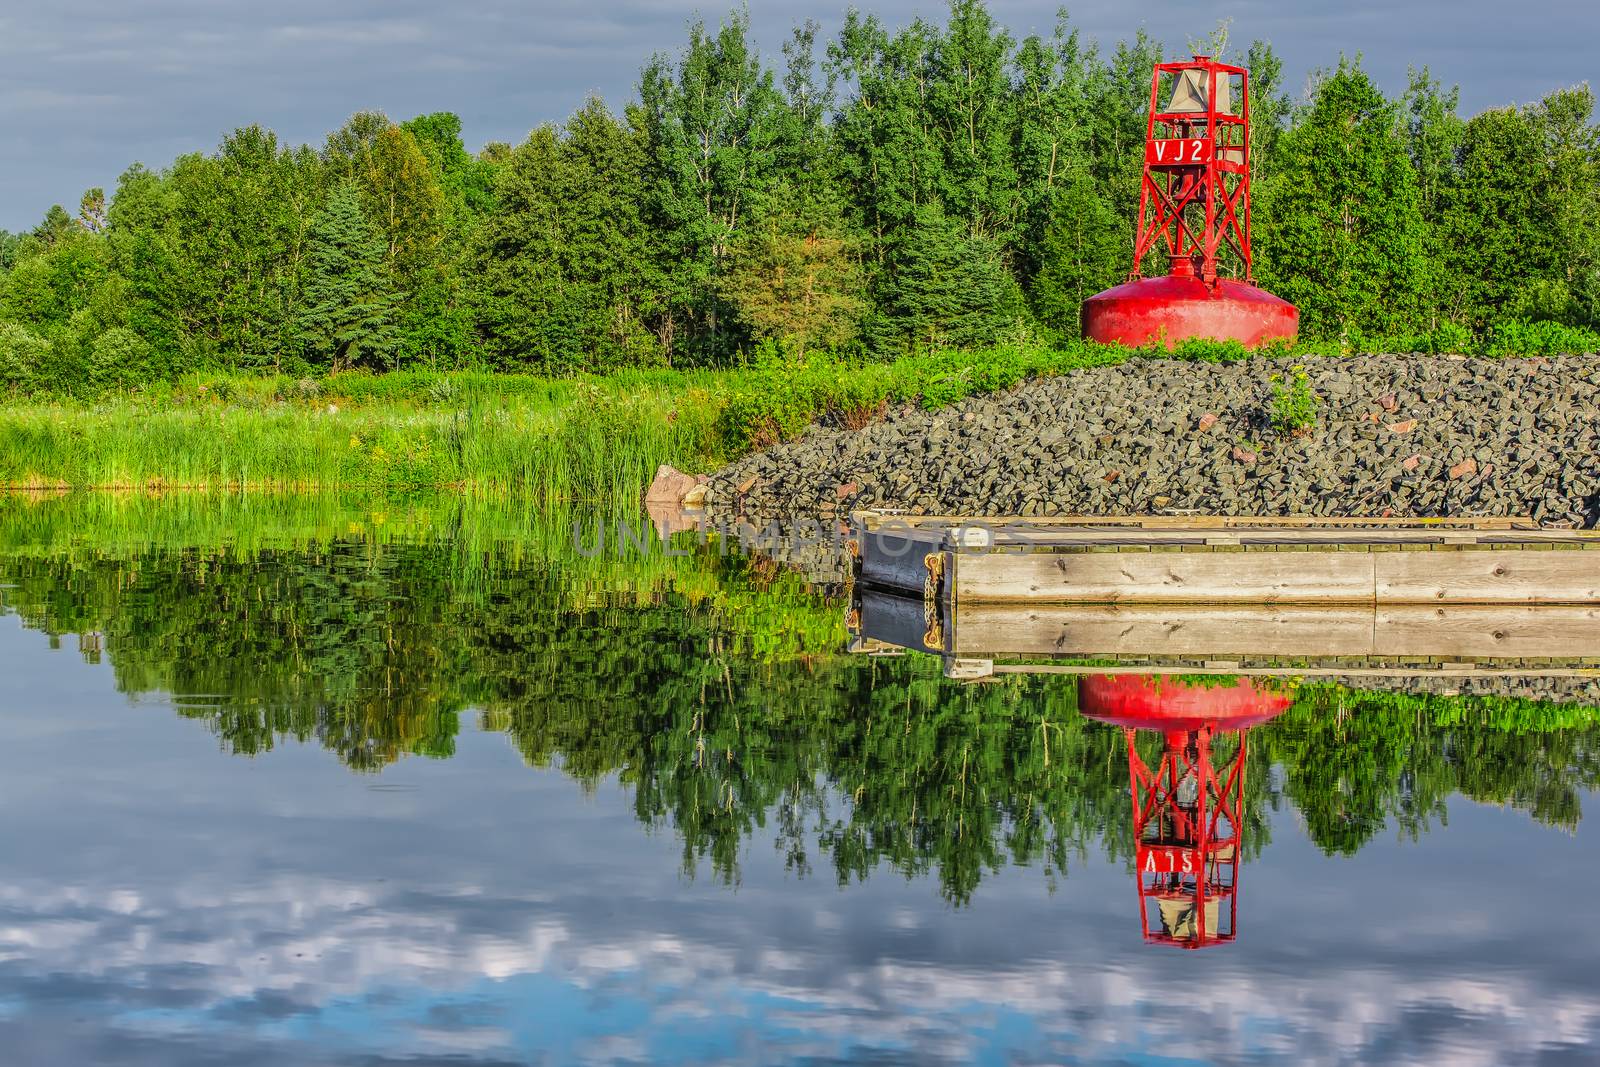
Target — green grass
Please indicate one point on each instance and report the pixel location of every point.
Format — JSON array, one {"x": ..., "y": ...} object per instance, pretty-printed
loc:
[
  {"x": 573, "y": 441},
  {"x": 543, "y": 439}
]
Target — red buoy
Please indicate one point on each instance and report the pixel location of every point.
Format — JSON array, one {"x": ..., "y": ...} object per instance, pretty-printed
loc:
[
  {"x": 1188, "y": 804},
  {"x": 1194, "y": 202}
]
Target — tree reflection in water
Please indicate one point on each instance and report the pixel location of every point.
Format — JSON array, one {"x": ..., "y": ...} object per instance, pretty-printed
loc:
[{"x": 712, "y": 687}]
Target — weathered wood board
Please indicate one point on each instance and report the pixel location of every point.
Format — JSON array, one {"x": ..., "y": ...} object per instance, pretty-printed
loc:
[
  {"x": 1483, "y": 577},
  {"x": 1118, "y": 577},
  {"x": 1457, "y": 631},
  {"x": 1217, "y": 560}
]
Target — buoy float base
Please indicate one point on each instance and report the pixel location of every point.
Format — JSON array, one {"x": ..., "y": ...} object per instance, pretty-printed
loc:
[
  {"x": 1158, "y": 702},
  {"x": 1177, "y": 307}
]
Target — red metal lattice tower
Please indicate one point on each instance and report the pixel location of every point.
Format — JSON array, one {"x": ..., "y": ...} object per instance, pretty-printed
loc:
[
  {"x": 1194, "y": 198},
  {"x": 1188, "y": 808},
  {"x": 1187, "y": 815},
  {"x": 1194, "y": 205}
]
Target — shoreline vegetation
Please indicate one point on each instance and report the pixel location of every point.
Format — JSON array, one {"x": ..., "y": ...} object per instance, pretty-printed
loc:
[
  {"x": 590, "y": 438},
  {"x": 943, "y": 186}
]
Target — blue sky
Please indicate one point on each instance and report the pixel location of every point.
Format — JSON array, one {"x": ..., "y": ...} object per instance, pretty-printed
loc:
[{"x": 87, "y": 86}]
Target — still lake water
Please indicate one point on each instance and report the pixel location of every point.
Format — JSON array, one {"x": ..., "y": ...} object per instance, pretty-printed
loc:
[{"x": 318, "y": 783}]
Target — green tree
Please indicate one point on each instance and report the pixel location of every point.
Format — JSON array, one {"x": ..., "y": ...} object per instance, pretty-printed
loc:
[
  {"x": 57, "y": 226},
  {"x": 349, "y": 315},
  {"x": 1270, "y": 108},
  {"x": 714, "y": 125},
  {"x": 53, "y": 279},
  {"x": 398, "y": 188},
  {"x": 1119, "y": 106},
  {"x": 1433, "y": 138},
  {"x": 1341, "y": 220},
  {"x": 890, "y": 164},
  {"x": 802, "y": 289},
  {"x": 235, "y": 225},
  {"x": 946, "y": 288},
  {"x": 1569, "y": 192},
  {"x": 1085, "y": 250},
  {"x": 970, "y": 109},
  {"x": 1518, "y": 226},
  {"x": 466, "y": 183},
  {"x": 92, "y": 210},
  {"x": 10, "y": 243},
  {"x": 808, "y": 165},
  {"x": 145, "y": 252},
  {"x": 24, "y": 356},
  {"x": 1052, "y": 140},
  {"x": 565, "y": 270}
]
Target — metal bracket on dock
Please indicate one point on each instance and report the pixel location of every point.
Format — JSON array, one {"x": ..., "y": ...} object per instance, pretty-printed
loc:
[{"x": 933, "y": 635}]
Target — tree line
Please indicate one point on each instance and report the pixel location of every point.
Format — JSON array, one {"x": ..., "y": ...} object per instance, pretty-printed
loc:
[{"x": 939, "y": 185}]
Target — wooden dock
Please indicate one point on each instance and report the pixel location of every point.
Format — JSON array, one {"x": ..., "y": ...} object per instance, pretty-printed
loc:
[
  {"x": 1194, "y": 560},
  {"x": 1312, "y": 597}
]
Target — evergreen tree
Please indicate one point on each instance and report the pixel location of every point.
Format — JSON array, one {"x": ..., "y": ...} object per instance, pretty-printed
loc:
[
  {"x": 350, "y": 311},
  {"x": 946, "y": 288},
  {"x": 1341, "y": 220},
  {"x": 398, "y": 190},
  {"x": 56, "y": 227},
  {"x": 802, "y": 289},
  {"x": 565, "y": 269},
  {"x": 1084, "y": 251}
]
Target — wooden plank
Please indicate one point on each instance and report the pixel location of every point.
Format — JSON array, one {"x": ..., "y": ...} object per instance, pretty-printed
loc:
[
  {"x": 1046, "y": 538},
  {"x": 1302, "y": 672},
  {"x": 1527, "y": 577},
  {"x": 1171, "y": 629},
  {"x": 1488, "y": 631},
  {"x": 1457, "y": 631},
  {"x": 1167, "y": 577}
]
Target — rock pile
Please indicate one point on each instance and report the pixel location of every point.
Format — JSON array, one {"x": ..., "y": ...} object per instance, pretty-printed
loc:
[{"x": 1398, "y": 435}]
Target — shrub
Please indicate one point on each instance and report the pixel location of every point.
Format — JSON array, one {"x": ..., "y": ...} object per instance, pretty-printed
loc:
[
  {"x": 1294, "y": 404},
  {"x": 1449, "y": 337},
  {"x": 1540, "y": 339},
  {"x": 23, "y": 355},
  {"x": 117, "y": 358}
]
